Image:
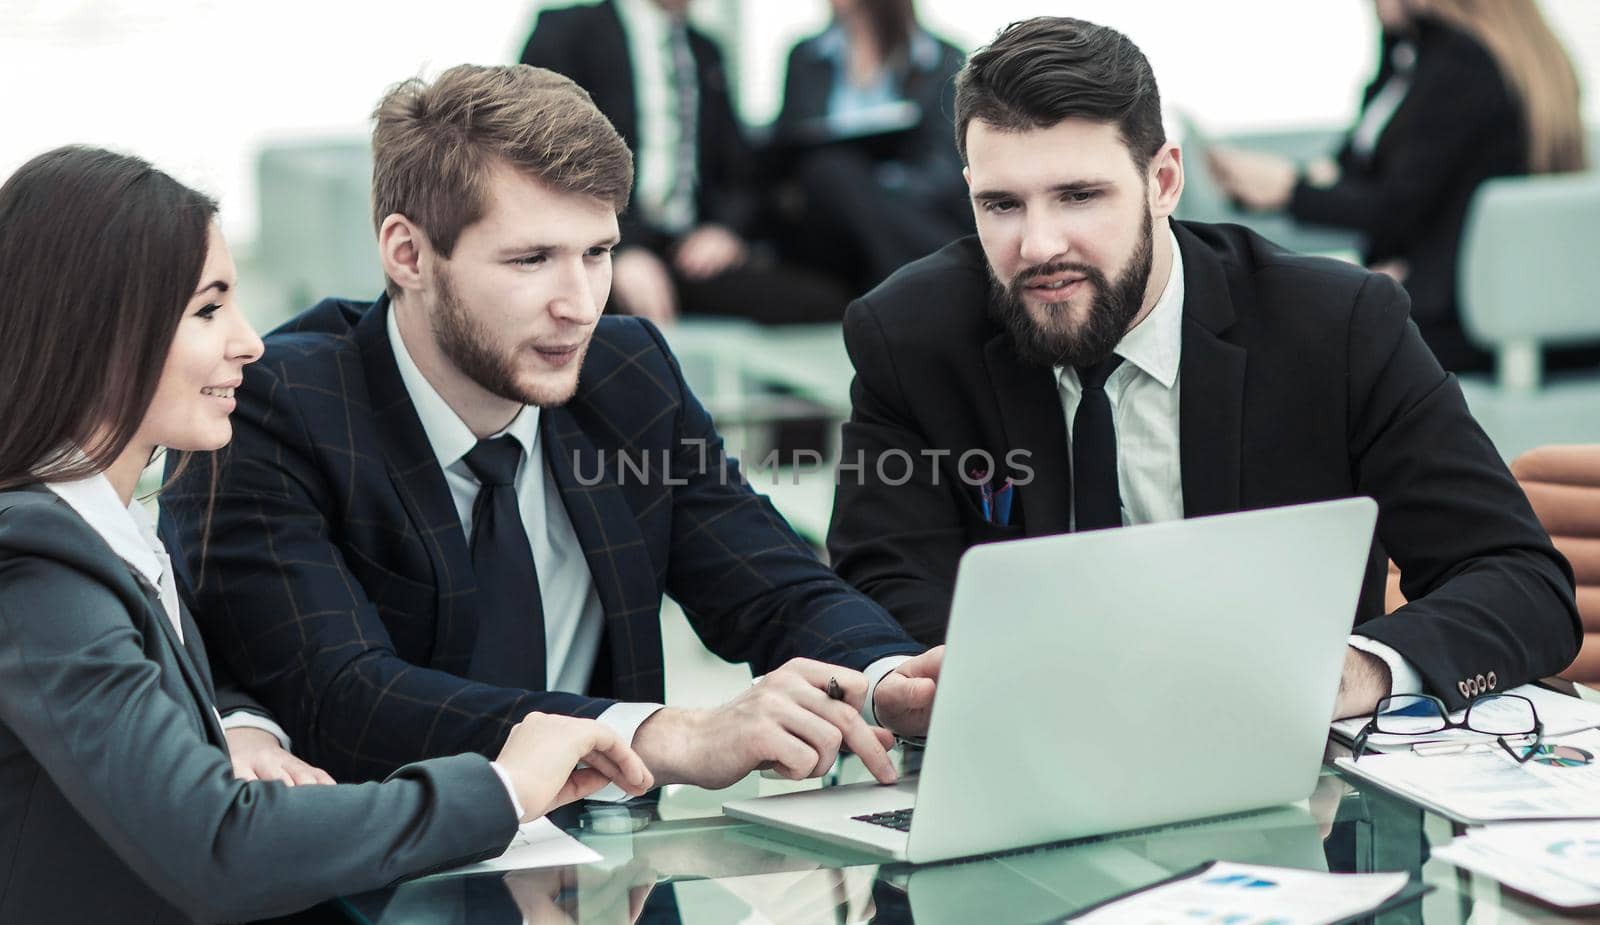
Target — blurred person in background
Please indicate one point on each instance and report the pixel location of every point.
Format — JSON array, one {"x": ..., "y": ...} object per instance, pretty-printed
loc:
[
  {"x": 687, "y": 238},
  {"x": 866, "y": 135},
  {"x": 1466, "y": 90},
  {"x": 125, "y": 794}
]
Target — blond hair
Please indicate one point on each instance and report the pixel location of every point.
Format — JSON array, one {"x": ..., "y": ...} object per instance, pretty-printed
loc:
[
  {"x": 1534, "y": 66},
  {"x": 434, "y": 145}
]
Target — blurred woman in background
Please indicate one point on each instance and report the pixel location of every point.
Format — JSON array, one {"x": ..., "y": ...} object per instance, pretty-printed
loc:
[
  {"x": 1466, "y": 90},
  {"x": 122, "y": 798},
  {"x": 865, "y": 130}
]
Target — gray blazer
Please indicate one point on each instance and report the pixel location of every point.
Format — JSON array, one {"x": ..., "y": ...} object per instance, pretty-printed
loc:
[{"x": 117, "y": 797}]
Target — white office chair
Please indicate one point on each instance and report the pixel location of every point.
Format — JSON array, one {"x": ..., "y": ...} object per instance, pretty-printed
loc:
[{"x": 1529, "y": 274}]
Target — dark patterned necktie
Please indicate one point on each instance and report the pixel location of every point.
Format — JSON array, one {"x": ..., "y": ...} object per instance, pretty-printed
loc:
[
  {"x": 680, "y": 202},
  {"x": 1096, "y": 500},
  {"x": 509, "y": 650}
]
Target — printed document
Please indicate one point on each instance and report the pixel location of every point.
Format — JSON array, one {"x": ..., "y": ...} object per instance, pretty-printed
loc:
[
  {"x": 1558, "y": 862},
  {"x": 1226, "y": 893},
  {"x": 1484, "y": 784}
]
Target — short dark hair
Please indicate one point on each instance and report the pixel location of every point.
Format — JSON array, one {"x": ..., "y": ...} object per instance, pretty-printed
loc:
[
  {"x": 1042, "y": 70},
  {"x": 434, "y": 145},
  {"x": 99, "y": 254}
]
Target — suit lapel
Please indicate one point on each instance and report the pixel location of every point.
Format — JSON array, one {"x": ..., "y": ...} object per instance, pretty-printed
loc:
[
  {"x": 194, "y": 644},
  {"x": 417, "y": 478},
  {"x": 1211, "y": 403},
  {"x": 1031, "y": 416},
  {"x": 623, "y": 572},
  {"x": 198, "y": 680}
]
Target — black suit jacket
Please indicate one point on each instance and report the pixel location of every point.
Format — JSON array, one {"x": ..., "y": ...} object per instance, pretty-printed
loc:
[
  {"x": 588, "y": 44},
  {"x": 118, "y": 801},
  {"x": 1301, "y": 380},
  {"x": 1459, "y": 125},
  {"x": 337, "y": 584}
]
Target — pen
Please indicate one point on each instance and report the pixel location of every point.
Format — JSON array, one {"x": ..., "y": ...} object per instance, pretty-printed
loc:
[{"x": 1002, "y": 504}]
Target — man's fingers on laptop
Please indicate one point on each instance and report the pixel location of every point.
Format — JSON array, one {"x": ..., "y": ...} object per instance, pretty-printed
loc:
[
  {"x": 904, "y": 704},
  {"x": 926, "y": 665},
  {"x": 820, "y": 735},
  {"x": 791, "y": 756},
  {"x": 845, "y": 718},
  {"x": 822, "y": 676},
  {"x": 868, "y": 742}
]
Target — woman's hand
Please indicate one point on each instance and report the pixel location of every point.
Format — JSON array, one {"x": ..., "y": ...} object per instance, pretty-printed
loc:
[
  {"x": 257, "y": 755},
  {"x": 543, "y": 754}
]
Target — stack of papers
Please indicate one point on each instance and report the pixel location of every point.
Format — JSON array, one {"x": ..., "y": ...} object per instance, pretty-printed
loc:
[
  {"x": 1483, "y": 784},
  {"x": 1560, "y": 714},
  {"x": 1557, "y": 862},
  {"x": 1224, "y": 893}
]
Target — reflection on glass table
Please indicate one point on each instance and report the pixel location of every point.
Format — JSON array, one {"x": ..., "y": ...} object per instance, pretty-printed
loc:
[{"x": 691, "y": 865}]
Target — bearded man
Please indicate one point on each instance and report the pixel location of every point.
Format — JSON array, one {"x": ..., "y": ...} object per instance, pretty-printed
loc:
[
  {"x": 463, "y": 502},
  {"x": 1086, "y": 362}
]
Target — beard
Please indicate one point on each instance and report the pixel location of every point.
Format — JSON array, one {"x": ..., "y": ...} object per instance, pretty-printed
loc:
[
  {"x": 1053, "y": 341},
  {"x": 469, "y": 346}
]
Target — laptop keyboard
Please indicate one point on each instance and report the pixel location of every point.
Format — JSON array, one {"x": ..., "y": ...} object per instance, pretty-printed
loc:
[{"x": 899, "y": 819}]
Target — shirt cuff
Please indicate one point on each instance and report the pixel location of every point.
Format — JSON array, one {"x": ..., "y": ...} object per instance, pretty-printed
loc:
[
  {"x": 876, "y": 672},
  {"x": 1403, "y": 679},
  {"x": 244, "y": 719},
  {"x": 625, "y": 720},
  {"x": 511, "y": 791}
]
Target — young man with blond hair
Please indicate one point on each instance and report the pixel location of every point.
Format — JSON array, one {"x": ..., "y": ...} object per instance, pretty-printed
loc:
[{"x": 464, "y": 501}]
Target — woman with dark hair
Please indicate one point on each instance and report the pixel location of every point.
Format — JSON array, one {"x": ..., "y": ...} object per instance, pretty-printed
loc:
[
  {"x": 866, "y": 124},
  {"x": 1466, "y": 90},
  {"x": 120, "y": 335}
]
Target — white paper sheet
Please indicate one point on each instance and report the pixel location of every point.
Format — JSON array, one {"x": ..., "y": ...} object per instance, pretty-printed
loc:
[
  {"x": 1228, "y": 893},
  {"x": 1561, "y": 715},
  {"x": 537, "y": 844},
  {"x": 1559, "y": 862},
  {"x": 1486, "y": 785}
]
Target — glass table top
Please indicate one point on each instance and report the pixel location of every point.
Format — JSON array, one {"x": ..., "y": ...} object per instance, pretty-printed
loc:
[{"x": 688, "y": 864}]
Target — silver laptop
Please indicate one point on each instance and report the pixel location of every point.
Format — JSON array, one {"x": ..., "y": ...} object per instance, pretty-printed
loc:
[{"x": 1113, "y": 680}]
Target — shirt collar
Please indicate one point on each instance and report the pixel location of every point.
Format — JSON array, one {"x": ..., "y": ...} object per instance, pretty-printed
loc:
[
  {"x": 641, "y": 15},
  {"x": 126, "y": 528},
  {"x": 448, "y": 435},
  {"x": 1155, "y": 344}
]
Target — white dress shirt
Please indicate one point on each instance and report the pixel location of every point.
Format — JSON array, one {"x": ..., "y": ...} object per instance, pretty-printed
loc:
[
  {"x": 1143, "y": 392},
  {"x": 573, "y": 616},
  {"x": 131, "y": 534}
]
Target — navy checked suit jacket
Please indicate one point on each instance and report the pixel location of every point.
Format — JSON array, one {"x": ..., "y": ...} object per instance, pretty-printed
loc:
[{"x": 335, "y": 583}]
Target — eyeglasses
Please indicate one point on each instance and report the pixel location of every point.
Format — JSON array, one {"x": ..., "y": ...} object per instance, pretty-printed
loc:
[{"x": 1500, "y": 715}]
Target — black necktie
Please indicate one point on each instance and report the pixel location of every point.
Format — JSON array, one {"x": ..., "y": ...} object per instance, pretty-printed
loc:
[
  {"x": 1096, "y": 501},
  {"x": 509, "y": 650}
]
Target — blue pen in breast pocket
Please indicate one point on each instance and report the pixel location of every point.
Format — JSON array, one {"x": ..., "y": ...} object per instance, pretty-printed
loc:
[{"x": 1002, "y": 503}]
